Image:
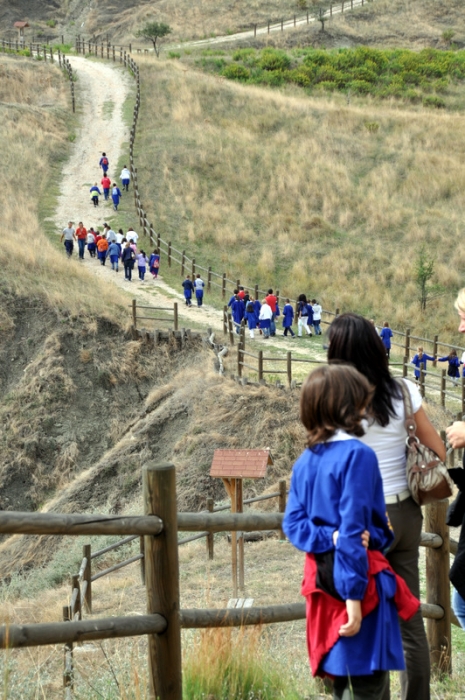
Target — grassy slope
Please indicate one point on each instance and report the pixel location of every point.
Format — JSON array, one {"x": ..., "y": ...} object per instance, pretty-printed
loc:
[{"x": 296, "y": 192}]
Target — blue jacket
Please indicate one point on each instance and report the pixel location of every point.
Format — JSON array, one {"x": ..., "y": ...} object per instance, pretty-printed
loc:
[
  {"x": 454, "y": 364},
  {"x": 386, "y": 335},
  {"x": 288, "y": 315},
  {"x": 188, "y": 288},
  {"x": 420, "y": 363},
  {"x": 238, "y": 310}
]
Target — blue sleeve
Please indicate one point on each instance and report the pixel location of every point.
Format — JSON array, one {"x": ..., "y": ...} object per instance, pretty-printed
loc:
[
  {"x": 443, "y": 359},
  {"x": 361, "y": 482},
  {"x": 299, "y": 529},
  {"x": 429, "y": 357}
]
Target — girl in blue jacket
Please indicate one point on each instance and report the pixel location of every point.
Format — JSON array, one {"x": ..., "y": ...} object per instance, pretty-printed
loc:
[
  {"x": 115, "y": 195},
  {"x": 453, "y": 368},
  {"x": 288, "y": 317},
  {"x": 251, "y": 318},
  {"x": 386, "y": 335},
  {"x": 419, "y": 360}
]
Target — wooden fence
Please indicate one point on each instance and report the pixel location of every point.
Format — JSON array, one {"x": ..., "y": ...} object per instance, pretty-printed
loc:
[{"x": 164, "y": 619}]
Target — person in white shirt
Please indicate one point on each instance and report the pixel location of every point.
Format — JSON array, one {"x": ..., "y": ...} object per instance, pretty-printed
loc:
[
  {"x": 264, "y": 318},
  {"x": 125, "y": 177},
  {"x": 132, "y": 235},
  {"x": 120, "y": 236},
  {"x": 354, "y": 339},
  {"x": 316, "y": 316}
]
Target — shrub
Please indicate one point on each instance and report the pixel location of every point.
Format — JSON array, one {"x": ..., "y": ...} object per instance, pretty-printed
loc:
[
  {"x": 274, "y": 78},
  {"x": 434, "y": 101},
  {"x": 212, "y": 52},
  {"x": 274, "y": 60},
  {"x": 51, "y": 23},
  {"x": 243, "y": 54},
  {"x": 299, "y": 77},
  {"x": 174, "y": 54},
  {"x": 372, "y": 127},
  {"x": 235, "y": 72},
  {"x": 360, "y": 87}
]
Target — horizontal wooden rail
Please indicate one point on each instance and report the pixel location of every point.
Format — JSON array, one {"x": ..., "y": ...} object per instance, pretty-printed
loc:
[
  {"x": 115, "y": 567},
  {"x": 198, "y": 522},
  {"x": 193, "y": 538},
  {"x": 111, "y": 547},
  {"x": 14, "y": 636},
  {"x": 63, "y": 524}
]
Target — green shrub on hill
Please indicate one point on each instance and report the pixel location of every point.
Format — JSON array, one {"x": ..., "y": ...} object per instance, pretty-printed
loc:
[{"x": 363, "y": 71}]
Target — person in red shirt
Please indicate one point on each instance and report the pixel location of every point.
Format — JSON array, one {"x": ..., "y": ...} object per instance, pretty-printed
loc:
[
  {"x": 81, "y": 235},
  {"x": 272, "y": 301},
  {"x": 106, "y": 184}
]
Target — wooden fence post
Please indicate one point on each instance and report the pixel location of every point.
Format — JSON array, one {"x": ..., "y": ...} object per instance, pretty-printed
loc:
[
  {"x": 209, "y": 279},
  {"x": 239, "y": 358},
  {"x": 282, "y": 503},
  {"x": 134, "y": 313},
  {"x": 337, "y": 313},
  {"x": 142, "y": 561},
  {"x": 404, "y": 366},
  {"x": 68, "y": 675},
  {"x": 438, "y": 587},
  {"x": 443, "y": 388},
  {"x": 422, "y": 381},
  {"x": 238, "y": 284},
  {"x": 175, "y": 311},
  {"x": 169, "y": 253},
  {"x": 330, "y": 9},
  {"x": 223, "y": 285},
  {"x": 210, "y": 537},
  {"x": 407, "y": 342},
  {"x": 162, "y": 582},
  {"x": 282, "y": 25},
  {"x": 78, "y": 605},
  {"x": 230, "y": 329},
  {"x": 193, "y": 269},
  {"x": 255, "y": 291},
  {"x": 289, "y": 368},
  {"x": 225, "y": 320},
  {"x": 255, "y": 30},
  {"x": 87, "y": 576},
  {"x": 260, "y": 365},
  {"x": 183, "y": 259},
  {"x": 342, "y": 7},
  {"x": 435, "y": 350}
]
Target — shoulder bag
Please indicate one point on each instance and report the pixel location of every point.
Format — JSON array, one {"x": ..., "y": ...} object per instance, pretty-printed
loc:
[{"x": 427, "y": 476}]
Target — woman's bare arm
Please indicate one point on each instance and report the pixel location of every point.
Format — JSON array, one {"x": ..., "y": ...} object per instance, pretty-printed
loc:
[{"x": 428, "y": 435}]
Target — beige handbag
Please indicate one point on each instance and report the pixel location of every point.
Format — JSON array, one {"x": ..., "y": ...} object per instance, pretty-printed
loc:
[{"x": 427, "y": 476}]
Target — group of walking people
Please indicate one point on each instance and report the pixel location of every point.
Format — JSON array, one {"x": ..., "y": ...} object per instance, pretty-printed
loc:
[
  {"x": 112, "y": 246},
  {"x": 261, "y": 315},
  {"x": 352, "y": 513},
  {"x": 109, "y": 189}
]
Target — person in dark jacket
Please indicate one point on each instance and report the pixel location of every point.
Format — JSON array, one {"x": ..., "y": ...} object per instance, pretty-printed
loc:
[
  {"x": 456, "y": 518},
  {"x": 188, "y": 290},
  {"x": 128, "y": 258}
]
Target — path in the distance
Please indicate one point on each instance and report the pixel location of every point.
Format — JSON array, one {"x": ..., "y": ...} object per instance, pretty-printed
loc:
[{"x": 102, "y": 89}]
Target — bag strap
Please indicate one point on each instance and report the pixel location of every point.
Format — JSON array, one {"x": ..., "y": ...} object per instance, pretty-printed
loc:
[{"x": 410, "y": 424}]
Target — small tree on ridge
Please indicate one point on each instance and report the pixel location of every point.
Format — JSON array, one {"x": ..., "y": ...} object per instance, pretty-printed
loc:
[{"x": 154, "y": 31}]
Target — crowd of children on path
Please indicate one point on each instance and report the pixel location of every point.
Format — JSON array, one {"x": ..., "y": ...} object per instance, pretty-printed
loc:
[{"x": 113, "y": 246}]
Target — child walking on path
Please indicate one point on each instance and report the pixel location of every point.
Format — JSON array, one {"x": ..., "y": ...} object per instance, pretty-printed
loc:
[
  {"x": 386, "y": 335},
  {"x": 154, "y": 263},
  {"x": 114, "y": 253},
  {"x": 115, "y": 195},
  {"x": 104, "y": 164},
  {"x": 335, "y": 509},
  {"x": 288, "y": 317},
  {"x": 199, "y": 284},
  {"x": 142, "y": 264},
  {"x": 188, "y": 289},
  {"x": 106, "y": 184},
  {"x": 453, "y": 368},
  {"x": 419, "y": 360},
  {"x": 316, "y": 316},
  {"x": 302, "y": 316},
  {"x": 95, "y": 193},
  {"x": 251, "y": 318}
]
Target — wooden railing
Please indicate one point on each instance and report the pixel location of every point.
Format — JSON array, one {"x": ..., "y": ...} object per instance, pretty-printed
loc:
[
  {"x": 160, "y": 526},
  {"x": 170, "y": 317}
]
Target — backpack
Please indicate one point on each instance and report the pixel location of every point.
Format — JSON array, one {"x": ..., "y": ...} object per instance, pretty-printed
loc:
[{"x": 105, "y": 161}]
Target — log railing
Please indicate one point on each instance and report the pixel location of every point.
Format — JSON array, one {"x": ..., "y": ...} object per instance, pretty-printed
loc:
[{"x": 160, "y": 526}]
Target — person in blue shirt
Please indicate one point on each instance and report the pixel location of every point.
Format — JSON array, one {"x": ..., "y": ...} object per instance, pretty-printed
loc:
[
  {"x": 419, "y": 360},
  {"x": 453, "y": 368},
  {"x": 114, "y": 253},
  {"x": 94, "y": 194},
  {"x": 115, "y": 195},
  {"x": 288, "y": 317},
  {"x": 199, "y": 284},
  {"x": 188, "y": 289},
  {"x": 104, "y": 164},
  {"x": 335, "y": 510},
  {"x": 251, "y": 318},
  {"x": 237, "y": 310},
  {"x": 386, "y": 335}
]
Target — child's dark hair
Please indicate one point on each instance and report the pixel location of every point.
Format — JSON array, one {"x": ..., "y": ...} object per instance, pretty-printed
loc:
[
  {"x": 333, "y": 397},
  {"x": 453, "y": 353}
]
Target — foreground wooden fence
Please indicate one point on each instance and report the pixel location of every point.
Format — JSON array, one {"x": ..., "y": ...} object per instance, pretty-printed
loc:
[{"x": 164, "y": 619}]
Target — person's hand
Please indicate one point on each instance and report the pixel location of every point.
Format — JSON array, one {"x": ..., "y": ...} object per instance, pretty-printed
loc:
[
  {"x": 365, "y": 538},
  {"x": 353, "y": 624},
  {"x": 456, "y": 434}
]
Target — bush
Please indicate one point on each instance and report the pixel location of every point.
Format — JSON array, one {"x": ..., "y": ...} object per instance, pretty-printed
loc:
[
  {"x": 360, "y": 87},
  {"x": 51, "y": 23},
  {"x": 234, "y": 72},
  {"x": 244, "y": 55},
  {"x": 274, "y": 60},
  {"x": 434, "y": 101},
  {"x": 174, "y": 54},
  {"x": 299, "y": 77}
]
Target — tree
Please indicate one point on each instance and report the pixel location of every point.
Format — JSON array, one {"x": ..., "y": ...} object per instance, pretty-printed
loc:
[
  {"x": 154, "y": 31},
  {"x": 424, "y": 271}
]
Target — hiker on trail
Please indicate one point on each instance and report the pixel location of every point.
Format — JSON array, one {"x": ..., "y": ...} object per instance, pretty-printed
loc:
[
  {"x": 81, "y": 235},
  {"x": 238, "y": 310},
  {"x": 386, "y": 335},
  {"x": 95, "y": 193},
  {"x": 265, "y": 318},
  {"x": 115, "y": 195},
  {"x": 233, "y": 298},
  {"x": 114, "y": 253},
  {"x": 419, "y": 360},
  {"x": 302, "y": 315},
  {"x": 102, "y": 247},
  {"x": 110, "y": 235},
  {"x": 336, "y": 514},
  {"x": 188, "y": 289},
  {"x": 106, "y": 184},
  {"x": 272, "y": 301},
  {"x": 251, "y": 318},
  {"x": 199, "y": 284},
  {"x": 104, "y": 164},
  {"x": 68, "y": 235},
  {"x": 142, "y": 261},
  {"x": 119, "y": 236},
  {"x": 454, "y": 363},
  {"x": 91, "y": 242},
  {"x": 128, "y": 258},
  {"x": 288, "y": 318},
  {"x": 316, "y": 316},
  {"x": 125, "y": 177},
  {"x": 131, "y": 235},
  {"x": 154, "y": 263}
]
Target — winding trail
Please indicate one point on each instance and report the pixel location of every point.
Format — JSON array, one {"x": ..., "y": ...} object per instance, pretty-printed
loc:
[{"x": 102, "y": 89}]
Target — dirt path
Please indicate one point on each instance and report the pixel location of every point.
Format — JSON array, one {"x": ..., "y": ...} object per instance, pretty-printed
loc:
[{"x": 101, "y": 92}]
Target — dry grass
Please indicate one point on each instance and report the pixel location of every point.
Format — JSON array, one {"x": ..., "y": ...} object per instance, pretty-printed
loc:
[
  {"x": 297, "y": 193},
  {"x": 33, "y": 140}
]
